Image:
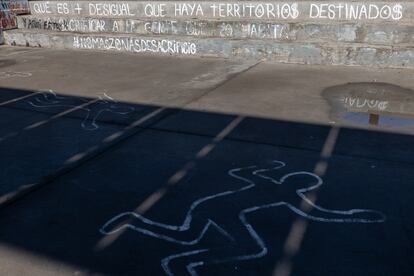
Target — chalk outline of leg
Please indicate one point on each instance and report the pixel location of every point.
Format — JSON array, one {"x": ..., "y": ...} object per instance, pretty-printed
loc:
[
  {"x": 56, "y": 101},
  {"x": 242, "y": 216}
]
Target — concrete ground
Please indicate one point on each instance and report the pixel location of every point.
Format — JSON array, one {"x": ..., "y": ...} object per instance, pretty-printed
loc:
[{"x": 142, "y": 165}]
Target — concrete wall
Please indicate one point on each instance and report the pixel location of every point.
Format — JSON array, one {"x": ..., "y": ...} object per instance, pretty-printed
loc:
[
  {"x": 377, "y": 33},
  {"x": 8, "y": 11}
]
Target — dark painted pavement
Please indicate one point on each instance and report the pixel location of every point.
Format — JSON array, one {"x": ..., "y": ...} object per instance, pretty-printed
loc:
[
  {"x": 162, "y": 167},
  {"x": 42, "y": 134}
]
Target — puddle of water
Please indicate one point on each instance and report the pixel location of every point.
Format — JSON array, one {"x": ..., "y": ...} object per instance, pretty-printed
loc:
[
  {"x": 375, "y": 120},
  {"x": 374, "y": 104}
]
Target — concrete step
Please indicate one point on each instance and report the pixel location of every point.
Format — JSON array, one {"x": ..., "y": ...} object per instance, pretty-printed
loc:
[
  {"x": 368, "y": 33},
  {"x": 297, "y": 11},
  {"x": 401, "y": 56}
]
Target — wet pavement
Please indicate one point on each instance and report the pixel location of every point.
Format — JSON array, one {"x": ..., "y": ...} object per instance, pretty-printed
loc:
[
  {"x": 203, "y": 167},
  {"x": 381, "y": 105}
]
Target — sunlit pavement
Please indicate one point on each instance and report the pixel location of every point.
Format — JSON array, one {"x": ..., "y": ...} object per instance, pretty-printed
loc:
[{"x": 140, "y": 165}]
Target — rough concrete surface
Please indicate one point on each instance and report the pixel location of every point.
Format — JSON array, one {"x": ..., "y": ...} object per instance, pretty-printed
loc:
[
  {"x": 369, "y": 33},
  {"x": 319, "y": 53},
  {"x": 234, "y": 167}
]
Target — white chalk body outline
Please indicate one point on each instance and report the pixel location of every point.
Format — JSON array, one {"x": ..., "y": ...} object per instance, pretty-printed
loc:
[
  {"x": 242, "y": 216},
  {"x": 51, "y": 99}
]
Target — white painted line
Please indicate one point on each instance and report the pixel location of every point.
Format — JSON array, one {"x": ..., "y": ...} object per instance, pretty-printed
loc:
[{"x": 19, "y": 98}]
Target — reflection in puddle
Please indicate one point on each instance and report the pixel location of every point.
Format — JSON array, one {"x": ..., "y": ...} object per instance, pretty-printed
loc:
[
  {"x": 374, "y": 119},
  {"x": 372, "y": 104}
]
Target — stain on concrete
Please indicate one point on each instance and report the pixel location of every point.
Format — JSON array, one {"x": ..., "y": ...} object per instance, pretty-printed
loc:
[
  {"x": 7, "y": 62},
  {"x": 373, "y": 104}
]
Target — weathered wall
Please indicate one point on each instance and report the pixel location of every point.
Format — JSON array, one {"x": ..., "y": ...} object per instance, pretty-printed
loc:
[
  {"x": 8, "y": 11},
  {"x": 379, "y": 33}
]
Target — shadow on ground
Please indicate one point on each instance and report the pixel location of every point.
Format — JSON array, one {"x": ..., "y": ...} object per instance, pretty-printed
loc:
[{"x": 71, "y": 164}]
